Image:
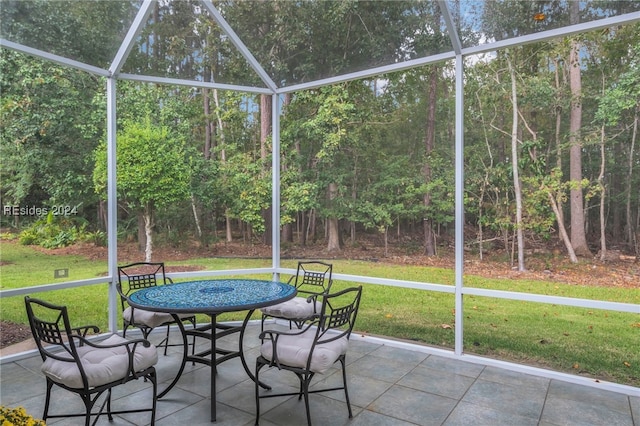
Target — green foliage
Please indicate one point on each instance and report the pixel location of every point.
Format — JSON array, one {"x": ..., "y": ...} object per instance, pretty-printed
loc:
[
  {"x": 151, "y": 166},
  {"x": 98, "y": 238},
  {"x": 44, "y": 145},
  {"x": 297, "y": 197},
  {"x": 367, "y": 137},
  {"x": 53, "y": 231}
]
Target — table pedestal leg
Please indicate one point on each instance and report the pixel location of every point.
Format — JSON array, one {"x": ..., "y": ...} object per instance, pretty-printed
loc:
[
  {"x": 184, "y": 356},
  {"x": 210, "y": 332},
  {"x": 214, "y": 369}
]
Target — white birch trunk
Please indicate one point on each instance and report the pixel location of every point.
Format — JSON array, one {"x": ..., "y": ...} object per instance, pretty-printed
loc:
[{"x": 514, "y": 163}]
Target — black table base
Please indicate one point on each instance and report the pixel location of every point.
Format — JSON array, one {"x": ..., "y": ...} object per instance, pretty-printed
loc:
[{"x": 213, "y": 332}]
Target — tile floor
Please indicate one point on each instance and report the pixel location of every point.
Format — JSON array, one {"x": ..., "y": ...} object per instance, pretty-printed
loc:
[{"x": 388, "y": 385}]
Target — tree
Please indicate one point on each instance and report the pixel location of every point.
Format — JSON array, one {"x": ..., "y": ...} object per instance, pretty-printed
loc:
[
  {"x": 619, "y": 109},
  {"x": 151, "y": 170},
  {"x": 578, "y": 232},
  {"x": 49, "y": 129},
  {"x": 514, "y": 164}
]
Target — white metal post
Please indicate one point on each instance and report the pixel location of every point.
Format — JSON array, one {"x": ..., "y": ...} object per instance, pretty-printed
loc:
[
  {"x": 112, "y": 203},
  {"x": 459, "y": 200},
  {"x": 275, "y": 183}
]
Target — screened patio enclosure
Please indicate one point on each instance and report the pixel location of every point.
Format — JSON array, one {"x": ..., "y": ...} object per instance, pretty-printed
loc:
[{"x": 224, "y": 45}]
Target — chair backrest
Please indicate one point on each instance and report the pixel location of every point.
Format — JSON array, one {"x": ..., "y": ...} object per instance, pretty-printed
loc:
[
  {"x": 338, "y": 314},
  {"x": 51, "y": 330},
  {"x": 313, "y": 277},
  {"x": 135, "y": 276}
]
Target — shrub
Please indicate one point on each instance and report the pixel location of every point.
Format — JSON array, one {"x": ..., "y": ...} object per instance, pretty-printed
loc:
[{"x": 53, "y": 231}]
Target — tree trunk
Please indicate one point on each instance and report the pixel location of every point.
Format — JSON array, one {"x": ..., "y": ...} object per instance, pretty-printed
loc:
[
  {"x": 303, "y": 229},
  {"x": 265, "y": 130},
  {"x": 207, "y": 121},
  {"x": 142, "y": 236},
  {"x": 616, "y": 183},
  {"x": 333, "y": 229},
  {"x": 603, "y": 193},
  {"x": 634, "y": 135},
  {"x": 227, "y": 220},
  {"x": 103, "y": 222},
  {"x": 386, "y": 241},
  {"x": 223, "y": 160},
  {"x": 429, "y": 143},
  {"x": 558, "y": 141},
  {"x": 485, "y": 185},
  {"x": 514, "y": 165},
  {"x": 354, "y": 198},
  {"x": 562, "y": 230},
  {"x": 148, "y": 227},
  {"x": 287, "y": 229},
  {"x": 196, "y": 217},
  {"x": 311, "y": 229},
  {"x": 287, "y": 233},
  {"x": 578, "y": 235}
]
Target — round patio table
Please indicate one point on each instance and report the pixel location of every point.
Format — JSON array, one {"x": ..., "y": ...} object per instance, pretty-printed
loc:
[{"x": 212, "y": 297}]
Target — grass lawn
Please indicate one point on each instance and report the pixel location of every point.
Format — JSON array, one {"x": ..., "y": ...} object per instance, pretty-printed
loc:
[{"x": 596, "y": 343}]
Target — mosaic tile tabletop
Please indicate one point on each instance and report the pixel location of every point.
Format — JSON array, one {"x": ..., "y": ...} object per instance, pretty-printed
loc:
[{"x": 211, "y": 296}]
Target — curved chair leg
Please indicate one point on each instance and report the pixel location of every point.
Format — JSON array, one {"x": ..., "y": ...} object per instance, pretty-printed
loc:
[
  {"x": 47, "y": 400},
  {"x": 154, "y": 380},
  {"x": 88, "y": 404},
  {"x": 306, "y": 399},
  {"x": 344, "y": 383},
  {"x": 109, "y": 405}
]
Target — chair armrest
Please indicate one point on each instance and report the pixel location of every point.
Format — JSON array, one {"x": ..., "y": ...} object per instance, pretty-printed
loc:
[
  {"x": 274, "y": 334},
  {"x": 82, "y": 331},
  {"x": 313, "y": 298},
  {"x": 127, "y": 342}
]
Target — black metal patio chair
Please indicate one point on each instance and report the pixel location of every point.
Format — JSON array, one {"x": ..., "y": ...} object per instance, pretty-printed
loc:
[
  {"x": 312, "y": 280},
  {"x": 83, "y": 367},
  {"x": 136, "y": 276},
  {"x": 313, "y": 349}
]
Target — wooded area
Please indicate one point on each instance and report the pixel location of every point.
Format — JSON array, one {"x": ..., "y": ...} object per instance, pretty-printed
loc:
[{"x": 551, "y": 131}]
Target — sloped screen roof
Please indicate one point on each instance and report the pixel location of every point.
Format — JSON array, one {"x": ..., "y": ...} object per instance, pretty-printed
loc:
[{"x": 279, "y": 44}]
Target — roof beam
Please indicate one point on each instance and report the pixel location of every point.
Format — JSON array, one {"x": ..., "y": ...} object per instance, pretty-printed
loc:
[
  {"x": 240, "y": 46},
  {"x": 127, "y": 43},
  {"x": 451, "y": 28},
  {"x": 194, "y": 83},
  {"x": 627, "y": 18},
  {"x": 53, "y": 58},
  {"x": 370, "y": 72}
]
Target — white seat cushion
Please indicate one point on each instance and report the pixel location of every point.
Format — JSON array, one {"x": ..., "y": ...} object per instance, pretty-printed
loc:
[
  {"x": 149, "y": 318},
  {"x": 298, "y": 307},
  {"x": 294, "y": 351},
  {"x": 101, "y": 365}
]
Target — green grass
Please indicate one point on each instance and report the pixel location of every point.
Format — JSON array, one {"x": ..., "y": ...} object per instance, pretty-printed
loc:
[{"x": 596, "y": 343}]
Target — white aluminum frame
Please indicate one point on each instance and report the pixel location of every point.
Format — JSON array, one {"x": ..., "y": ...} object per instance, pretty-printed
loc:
[{"x": 458, "y": 53}]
